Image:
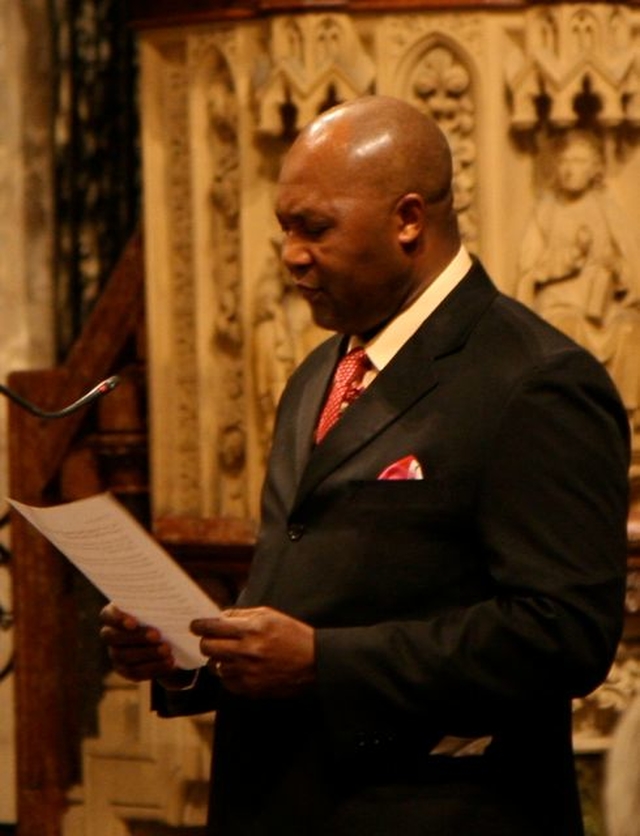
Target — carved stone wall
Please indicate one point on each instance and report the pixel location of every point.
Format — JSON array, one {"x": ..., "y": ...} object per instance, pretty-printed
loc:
[
  {"x": 143, "y": 771},
  {"x": 574, "y": 83}
]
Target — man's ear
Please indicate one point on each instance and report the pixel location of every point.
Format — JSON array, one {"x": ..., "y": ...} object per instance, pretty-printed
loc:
[{"x": 410, "y": 211}]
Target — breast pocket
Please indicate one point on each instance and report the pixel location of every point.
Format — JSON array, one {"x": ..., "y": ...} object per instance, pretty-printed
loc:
[
  {"x": 405, "y": 543},
  {"x": 405, "y": 499}
]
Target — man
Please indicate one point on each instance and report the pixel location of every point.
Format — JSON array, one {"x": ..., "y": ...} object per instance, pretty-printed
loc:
[{"x": 439, "y": 572}]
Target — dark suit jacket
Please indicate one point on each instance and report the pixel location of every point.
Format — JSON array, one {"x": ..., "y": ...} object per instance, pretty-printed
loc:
[{"x": 475, "y": 602}]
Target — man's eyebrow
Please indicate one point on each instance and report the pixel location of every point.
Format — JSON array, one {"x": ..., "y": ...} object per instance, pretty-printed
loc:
[
  {"x": 299, "y": 216},
  {"x": 285, "y": 213}
]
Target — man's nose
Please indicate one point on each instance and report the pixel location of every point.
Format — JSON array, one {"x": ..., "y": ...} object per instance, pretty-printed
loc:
[{"x": 295, "y": 254}]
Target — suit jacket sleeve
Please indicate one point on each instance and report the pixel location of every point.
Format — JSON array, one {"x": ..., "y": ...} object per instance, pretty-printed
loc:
[{"x": 199, "y": 699}]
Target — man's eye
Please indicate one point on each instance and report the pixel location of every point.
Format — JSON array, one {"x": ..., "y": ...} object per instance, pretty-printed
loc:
[
  {"x": 304, "y": 228},
  {"x": 315, "y": 230}
]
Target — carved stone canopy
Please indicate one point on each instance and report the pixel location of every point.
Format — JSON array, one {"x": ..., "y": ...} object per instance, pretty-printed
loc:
[{"x": 572, "y": 59}]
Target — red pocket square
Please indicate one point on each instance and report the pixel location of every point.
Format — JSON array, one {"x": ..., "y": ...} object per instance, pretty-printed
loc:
[{"x": 406, "y": 468}]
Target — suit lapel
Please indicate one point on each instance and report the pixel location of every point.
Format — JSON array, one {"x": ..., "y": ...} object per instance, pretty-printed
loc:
[{"x": 411, "y": 375}]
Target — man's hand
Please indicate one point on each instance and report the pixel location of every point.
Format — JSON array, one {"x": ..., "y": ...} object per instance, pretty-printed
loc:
[
  {"x": 136, "y": 652},
  {"x": 258, "y": 652}
]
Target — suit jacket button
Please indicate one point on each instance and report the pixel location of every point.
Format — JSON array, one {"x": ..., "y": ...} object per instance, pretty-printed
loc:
[{"x": 295, "y": 531}]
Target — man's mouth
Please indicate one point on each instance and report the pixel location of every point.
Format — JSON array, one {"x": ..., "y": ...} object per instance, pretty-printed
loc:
[{"x": 311, "y": 294}]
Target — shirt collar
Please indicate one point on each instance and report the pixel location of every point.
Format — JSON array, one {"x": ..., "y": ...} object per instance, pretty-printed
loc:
[{"x": 386, "y": 344}]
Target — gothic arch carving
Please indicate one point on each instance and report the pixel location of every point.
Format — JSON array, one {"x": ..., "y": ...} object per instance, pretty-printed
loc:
[
  {"x": 566, "y": 52},
  {"x": 437, "y": 75},
  {"x": 174, "y": 88},
  {"x": 217, "y": 115},
  {"x": 314, "y": 62}
]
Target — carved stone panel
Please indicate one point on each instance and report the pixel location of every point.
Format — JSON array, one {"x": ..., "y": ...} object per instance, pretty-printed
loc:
[
  {"x": 574, "y": 82},
  {"x": 431, "y": 61}
]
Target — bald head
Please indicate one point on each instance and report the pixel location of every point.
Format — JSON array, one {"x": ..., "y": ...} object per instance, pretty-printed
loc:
[
  {"x": 364, "y": 200},
  {"x": 386, "y": 142}
]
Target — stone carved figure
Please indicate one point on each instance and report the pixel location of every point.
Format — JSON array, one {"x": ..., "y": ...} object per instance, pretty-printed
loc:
[
  {"x": 442, "y": 84},
  {"x": 231, "y": 463},
  {"x": 224, "y": 193},
  {"x": 579, "y": 268},
  {"x": 283, "y": 334}
]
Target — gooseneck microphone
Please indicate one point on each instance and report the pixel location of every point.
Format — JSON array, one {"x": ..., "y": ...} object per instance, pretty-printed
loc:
[{"x": 103, "y": 388}]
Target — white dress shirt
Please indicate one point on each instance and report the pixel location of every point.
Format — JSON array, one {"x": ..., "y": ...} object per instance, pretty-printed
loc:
[{"x": 387, "y": 342}]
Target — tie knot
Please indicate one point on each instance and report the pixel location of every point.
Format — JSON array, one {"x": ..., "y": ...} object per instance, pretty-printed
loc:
[
  {"x": 345, "y": 388},
  {"x": 353, "y": 365}
]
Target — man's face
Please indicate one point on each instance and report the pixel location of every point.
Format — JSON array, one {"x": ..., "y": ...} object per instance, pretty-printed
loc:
[{"x": 341, "y": 244}]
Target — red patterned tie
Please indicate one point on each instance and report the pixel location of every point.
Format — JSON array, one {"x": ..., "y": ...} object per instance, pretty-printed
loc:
[{"x": 345, "y": 388}]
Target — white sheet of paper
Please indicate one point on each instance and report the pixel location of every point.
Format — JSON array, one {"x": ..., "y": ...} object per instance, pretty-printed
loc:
[{"x": 120, "y": 558}]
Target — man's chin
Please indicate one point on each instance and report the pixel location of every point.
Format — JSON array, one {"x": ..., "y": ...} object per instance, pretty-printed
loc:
[
  {"x": 323, "y": 318},
  {"x": 327, "y": 318}
]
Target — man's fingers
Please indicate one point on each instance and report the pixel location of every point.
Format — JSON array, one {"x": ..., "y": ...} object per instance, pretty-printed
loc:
[
  {"x": 140, "y": 653},
  {"x": 141, "y": 661},
  {"x": 225, "y": 650},
  {"x": 219, "y": 628},
  {"x": 115, "y": 635},
  {"x": 234, "y": 623},
  {"x": 111, "y": 616}
]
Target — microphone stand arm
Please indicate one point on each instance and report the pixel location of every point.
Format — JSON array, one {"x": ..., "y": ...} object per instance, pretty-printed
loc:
[{"x": 103, "y": 388}]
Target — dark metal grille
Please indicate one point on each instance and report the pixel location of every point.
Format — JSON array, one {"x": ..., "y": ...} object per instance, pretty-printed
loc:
[{"x": 95, "y": 135}]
